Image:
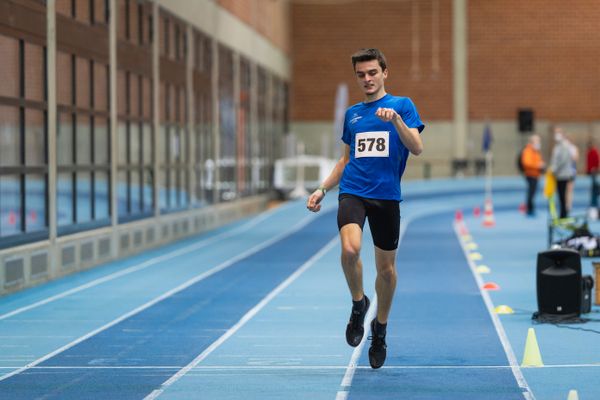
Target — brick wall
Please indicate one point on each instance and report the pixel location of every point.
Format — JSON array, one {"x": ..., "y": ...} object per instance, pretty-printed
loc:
[
  {"x": 268, "y": 17},
  {"x": 536, "y": 53},
  {"x": 415, "y": 37}
]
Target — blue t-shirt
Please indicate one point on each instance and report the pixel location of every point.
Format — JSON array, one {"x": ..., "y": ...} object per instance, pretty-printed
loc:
[{"x": 377, "y": 155}]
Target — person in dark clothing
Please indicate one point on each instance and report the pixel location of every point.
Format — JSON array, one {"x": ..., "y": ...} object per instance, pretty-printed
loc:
[{"x": 591, "y": 168}]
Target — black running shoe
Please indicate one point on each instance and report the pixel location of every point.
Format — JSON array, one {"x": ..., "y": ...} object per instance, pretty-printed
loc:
[
  {"x": 377, "y": 351},
  {"x": 355, "y": 329}
]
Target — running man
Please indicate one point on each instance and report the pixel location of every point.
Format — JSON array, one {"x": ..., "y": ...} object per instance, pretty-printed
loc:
[{"x": 378, "y": 135}]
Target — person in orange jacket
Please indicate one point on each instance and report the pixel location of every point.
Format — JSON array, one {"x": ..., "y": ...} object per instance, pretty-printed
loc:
[{"x": 533, "y": 166}]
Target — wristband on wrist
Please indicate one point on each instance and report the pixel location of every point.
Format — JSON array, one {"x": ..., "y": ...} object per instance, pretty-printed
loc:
[{"x": 322, "y": 189}]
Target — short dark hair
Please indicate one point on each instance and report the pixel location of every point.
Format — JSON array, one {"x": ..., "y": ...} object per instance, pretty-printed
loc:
[{"x": 368, "y": 55}]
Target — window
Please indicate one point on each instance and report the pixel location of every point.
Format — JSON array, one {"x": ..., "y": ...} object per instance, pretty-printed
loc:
[
  {"x": 90, "y": 12},
  {"x": 174, "y": 154},
  {"x": 173, "y": 42},
  {"x": 204, "y": 168},
  {"x": 23, "y": 141},
  {"x": 244, "y": 153},
  {"x": 260, "y": 163},
  {"x": 135, "y": 186},
  {"x": 135, "y": 134},
  {"x": 134, "y": 22},
  {"x": 83, "y": 138},
  {"x": 227, "y": 126},
  {"x": 83, "y": 121},
  {"x": 272, "y": 104},
  {"x": 279, "y": 99}
]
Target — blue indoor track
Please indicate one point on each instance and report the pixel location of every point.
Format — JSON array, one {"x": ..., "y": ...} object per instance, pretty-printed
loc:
[{"x": 258, "y": 309}]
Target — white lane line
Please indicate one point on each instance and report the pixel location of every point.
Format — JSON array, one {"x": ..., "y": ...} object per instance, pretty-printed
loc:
[
  {"x": 344, "y": 390},
  {"x": 153, "y": 261},
  {"x": 296, "y": 367},
  {"x": 247, "y": 317},
  {"x": 167, "y": 294},
  {"x": 342, "y": 394},
  {"x": 510, "y": 354}
]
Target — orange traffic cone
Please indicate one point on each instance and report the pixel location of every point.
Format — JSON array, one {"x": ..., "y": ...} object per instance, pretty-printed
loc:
[
  {"x": 477, "y": 212},
  {"x": 522, "y": 208},
  {"x": 491, "y": 286},
  {"x": 488, "y": 214}
]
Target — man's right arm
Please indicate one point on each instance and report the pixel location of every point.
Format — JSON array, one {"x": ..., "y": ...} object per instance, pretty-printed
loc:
[
  {"x": 336, "y": 175},
  {"x": 314, "y": 200}
]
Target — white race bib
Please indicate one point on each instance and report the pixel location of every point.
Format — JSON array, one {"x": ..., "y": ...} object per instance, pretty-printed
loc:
[{"x": 372, "y": 144}]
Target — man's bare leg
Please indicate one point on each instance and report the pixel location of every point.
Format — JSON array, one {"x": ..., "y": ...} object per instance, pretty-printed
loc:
[
  {"x": 385, "y": 283},
  {"x": 351, "y": 236}
]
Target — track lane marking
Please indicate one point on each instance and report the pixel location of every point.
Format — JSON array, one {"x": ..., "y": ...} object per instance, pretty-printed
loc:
[
  {"x": 138, "y": 267},
  {"x": 305, "y": 221},
  {"x": 247, "y": 317},
  {"x": 298, "y": 367},
  {"x": 508, "y": 350},
  {"x": 344, "y": 389}
]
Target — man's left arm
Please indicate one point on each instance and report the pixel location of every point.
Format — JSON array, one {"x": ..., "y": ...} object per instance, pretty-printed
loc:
[{"x": 410, "y": 137}]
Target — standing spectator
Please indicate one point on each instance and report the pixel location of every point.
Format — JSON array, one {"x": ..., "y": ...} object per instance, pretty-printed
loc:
[
  {"x": 591, "y": 168},
  {"x": 533, "y": 165},
  {"x": 574, "y": 152},
  {"x": 562, "y": 168}
]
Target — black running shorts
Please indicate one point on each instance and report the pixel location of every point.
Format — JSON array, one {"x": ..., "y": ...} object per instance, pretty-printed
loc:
[{"x": 384, "y": 218}]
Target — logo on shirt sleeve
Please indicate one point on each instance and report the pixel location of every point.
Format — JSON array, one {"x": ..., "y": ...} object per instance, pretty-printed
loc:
[{"x": 372, "y": 144}]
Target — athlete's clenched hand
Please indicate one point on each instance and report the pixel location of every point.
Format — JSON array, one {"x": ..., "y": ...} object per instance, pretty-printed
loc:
[
  {"x": 386, "y": 114},
  {"x": 314, "y": 201}
]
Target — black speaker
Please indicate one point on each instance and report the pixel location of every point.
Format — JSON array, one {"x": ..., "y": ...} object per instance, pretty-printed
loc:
[
  {"x": 587, "y": 283},
  {"x": 559, "y": 285},
  {"x": 525, "y": 116}
]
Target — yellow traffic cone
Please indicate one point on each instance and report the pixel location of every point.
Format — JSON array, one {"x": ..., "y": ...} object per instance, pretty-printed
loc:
[
  {"x": 471, "y": 246},
  {"x": 573, "y": 395},
  {"x": 483, "y": 269},
  {"x": 532, "y": 356},
  {"x": 503, "y": 309},
  {"x": 475, "y": 256}
]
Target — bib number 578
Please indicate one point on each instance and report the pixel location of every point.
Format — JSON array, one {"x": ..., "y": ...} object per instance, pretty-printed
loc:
[
  {"x": 368, "y": 143},
  {"x": 372, "y": 144}
]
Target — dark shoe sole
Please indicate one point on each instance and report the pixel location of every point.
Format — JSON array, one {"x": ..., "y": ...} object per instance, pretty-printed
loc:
[
  {"x": 354, "y": 338},
  {"x": 376, "y": 355},
  {"x": 377, "y": 359}
]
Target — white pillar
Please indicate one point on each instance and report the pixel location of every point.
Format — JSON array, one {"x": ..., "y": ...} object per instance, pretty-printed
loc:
[
  {"x": 460, "y": 86},
  {"x": 114, "y": 139},
  {"x": 216, "y": 123},
  {"x": 191, "y": 112},
  {"x": 236, "y": 112},
  {"x": 254, "y": 142},
  {"x": 52, "y": 118},
  {"x": 156, "y": 105}
]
